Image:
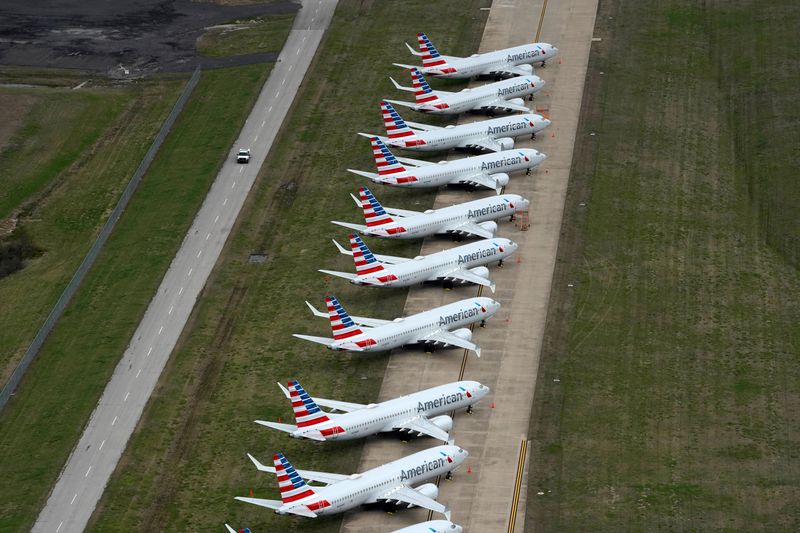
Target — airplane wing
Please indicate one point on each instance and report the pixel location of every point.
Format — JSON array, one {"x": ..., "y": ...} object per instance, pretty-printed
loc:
[
  {"x": 408, "y": 495},
  {"x": 505, "y": 105},
  {"x": 388, "y": 259},
  {"x": 360, "y": 320},
  {"x": 332, "y": 404},
  {"x": 445, "y": 337},
  {"x": 486, "y": 143},
  {"x": 414, "y": 162},
  {"x": 310, "y": 475},
  {"x": 482, "y": 179},
  {"x": 462, "y": 274},
  {"x": 423, "y": 426},
  {"x": 471, "y": 228},
  {"x": 511, "y": 70}
]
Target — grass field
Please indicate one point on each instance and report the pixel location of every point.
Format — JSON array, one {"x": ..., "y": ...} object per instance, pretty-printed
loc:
[
  {"x": 42, "y": 423},
  {"x": 62, "y": 173},
  {"x": 187, "y": 459},
  {"x": 676, "y": 352},
  {"x": 260, "y": 34}
]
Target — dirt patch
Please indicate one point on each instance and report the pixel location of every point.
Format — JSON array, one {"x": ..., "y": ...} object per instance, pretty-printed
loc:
[{"x": 123, "y": 39}]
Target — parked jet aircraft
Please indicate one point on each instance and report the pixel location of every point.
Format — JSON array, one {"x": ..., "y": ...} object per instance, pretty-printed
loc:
[
  {"x": 389, "y": 483},
  {"x": 444, "y": 325},
  {"x": 515, "y": 61},
  {"x": 505, "y": 95},
  {"x": 474, "y": 218},
  {"x": 421, "y": 413},
  {"x": 462, "y": 264},
  {"x": 432, "y": 526},
  {"x": 487, "y": 170},
  {"x": 492, "y": 135},
  {"x": 245, "y": 530}
]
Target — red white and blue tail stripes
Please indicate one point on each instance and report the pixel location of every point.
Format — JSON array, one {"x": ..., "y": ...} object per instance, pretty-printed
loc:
[
  {"x": 342, "y": 325},
  {"x": 430, "y": 55},
  {"x": 363, "y": 258},
  {"x": 395, "y": 126},
  {"x": 422, "y": 91},
  {"x": 306, "y": 411},
  {"x": 385, "y": 160},
  {"x": 290, "y": 483},
  {"x": 374, "y": 213}
]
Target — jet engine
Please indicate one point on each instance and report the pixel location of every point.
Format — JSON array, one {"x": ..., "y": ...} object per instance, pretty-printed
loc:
[
  {"x": 480, "y": 271},
  {"x": 463, "y": 333},
  {"x": 501, "y": 179},
  {"x": 527, "y": 67},
  {"x": 428, "y": 489},
  {"x": 506, "y": 143},
  {"x": 517, "y": 101},
  {"x": 444, "y": 422},
  {"x": 489, "y": 226}
]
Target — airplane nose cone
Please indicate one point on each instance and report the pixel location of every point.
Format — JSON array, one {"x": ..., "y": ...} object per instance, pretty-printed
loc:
[
  {"x": 546, "y": 122},
  {"x": 481, "y": 391},
  {"x": 512, "y": 245},
  {"x": 524, "y": 204}
]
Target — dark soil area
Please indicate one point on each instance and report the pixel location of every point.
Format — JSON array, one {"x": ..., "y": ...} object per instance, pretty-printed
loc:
[{"x": 124, "y": 39}]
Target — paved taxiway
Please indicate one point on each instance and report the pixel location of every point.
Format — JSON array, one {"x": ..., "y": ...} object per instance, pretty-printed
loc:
[
  {"x": 492, "y": 496},
  {"x": 93, "y": 460}
]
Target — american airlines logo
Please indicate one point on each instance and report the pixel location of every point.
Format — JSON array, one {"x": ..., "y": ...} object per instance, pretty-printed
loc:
[
  {"x": 496, "y": 208},
  {"x": 524, "y": 55},
  {"x": 514, "y": 89},
  {"x": 474, "y": 256},
  {"x": 461, "y": 315},
  {"x": 424, "y": 468},
  {"x": 446, "y": 399},
  {"x": 507, "y": 127},
  {"x": 501, "y": 163}
]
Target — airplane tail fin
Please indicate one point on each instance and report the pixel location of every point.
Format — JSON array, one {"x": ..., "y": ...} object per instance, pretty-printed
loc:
[
  {"x": 423, "y": 94},
  {"x": 306, "y": 411},
  {"x": 363, "y": 258},
  {"x": 374, "y": 213},
  {"x": 231, "y": 530},
  {"x": 291, "y": 485},
  {"x": 395, "y": 126},
  {"x": 342, "y": 325},
  {"x": 385, "y": 160},
  {"x": 430, "y": 55}
]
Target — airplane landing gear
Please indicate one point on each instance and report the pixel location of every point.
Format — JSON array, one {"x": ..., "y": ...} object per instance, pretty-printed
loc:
[
  {"x": 449, "y": 476},
  {"x": 500, "y": 264},
  {"x": 469, "y": 410},
  {"x": 528, "y": 172},
  {"x": 533, "y": 136},
  {"x": 483, "y": 323}
]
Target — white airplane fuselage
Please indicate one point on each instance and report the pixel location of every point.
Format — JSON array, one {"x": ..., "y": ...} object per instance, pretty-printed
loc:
[
  {"x": 372, "y": 485},
  {"x": 501, "y": 129},
  {"x": 491, "y": 63},
  {"x": 382, "y": 417},
  {"x": 458, "y": 171},
  {"x": 482, "y": 212},
  {"x": 405, "y": 331},
  {"x": 432, "y": 526},
  {"x": 482, "y": 98},
  {"x": 437, "y": 265}
]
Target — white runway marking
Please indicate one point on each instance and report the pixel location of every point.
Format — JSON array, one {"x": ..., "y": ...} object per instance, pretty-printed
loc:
[
  {"x": 263, "y": 122},
  {"x": 199, "y": 253},
  {"x": 102, "y": 444},
  {"x": 225, "y": 201},
  {"x": 150, "y": 351},
  {"x": 189, "y": 273},
  {"x": 255, "y": 139},
  {"x": 160, "y": 330},
  {"x": 171, "y": 307},
  {"x": 233, "y": 185},
  {"x": 181, "y": 291},
  {"x": 207, "y": 236},
  {"x": 215, "y": 220},
  {"x": 59, "y": 526},
  {"x": 137, "y": 375},
  {"x": 87, "y": 472},
  {"x": 73, "y": 498},
  {"x": 114, "y": 421},
  {"x": 290, "y": 69},
  {"x": 126, "y": 396},
  {"x": 270, "y": 109},
  {"x": 241, "y": 169},
  {"x": 283, "y": 82}
]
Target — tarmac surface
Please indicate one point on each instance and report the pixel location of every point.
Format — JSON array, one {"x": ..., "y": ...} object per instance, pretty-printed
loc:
[
  {"x": 488, "y": 493},
  {"x": 124, "y": 39},
  {"x": 86, "y": 473}
]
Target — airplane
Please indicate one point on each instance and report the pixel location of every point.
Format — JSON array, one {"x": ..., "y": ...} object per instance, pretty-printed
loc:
[
  {"x": 493, "y": 135},
  {"x": 462, "y": 264},
  {"x": 245, "y": 530},
  {"x": 444, "y": 325},
  {"x": 390, "y": 483},
  {"x": 432, "y": 526},
  {"x": 421, "y": 413},
  {"x": 515, "y": 61},
  {"x": 503, "y": 95},
  {"x": 475, "y": 218},
  {"x": 487, "y": 170}
]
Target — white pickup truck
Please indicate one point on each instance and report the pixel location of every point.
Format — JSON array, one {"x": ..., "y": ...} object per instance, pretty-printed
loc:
[{"x": 243, "y": 156}]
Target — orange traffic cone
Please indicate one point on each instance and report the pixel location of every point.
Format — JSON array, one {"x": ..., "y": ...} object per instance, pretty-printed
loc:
[
  {"x": 469, "y": 470},
  {"x": 492, "y": 405},
  {"x": 251, "y": 492}
]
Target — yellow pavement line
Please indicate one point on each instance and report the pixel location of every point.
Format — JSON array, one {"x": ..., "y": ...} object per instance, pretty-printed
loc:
[
  {"x": 512, "y": 519},
  {"x": 541, "y": 20}
]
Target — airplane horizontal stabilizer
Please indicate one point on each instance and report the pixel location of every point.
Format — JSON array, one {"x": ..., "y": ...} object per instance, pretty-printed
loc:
[
  {"x": 400, "y": 87},
  {"x": 411, "y": 49},
  {"x": 345, "y": 275},
  {"x": 388, "y": 259},
  {"x": 420, "y": 126},
  {"x": 357, "y": 227},
  {"x": 369, "y": 175},
  {"x": 287, "y": 428},
  {"x": 372, "y": 136},
  {"x": 269, "y": 504},
  {"x": 414, "y": 162},
  {"x": 319, "y": 340},
  {"x": 412, "y": 105}
]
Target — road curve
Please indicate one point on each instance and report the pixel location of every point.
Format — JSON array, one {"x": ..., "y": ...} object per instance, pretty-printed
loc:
[{"x": 95, "y": 457}]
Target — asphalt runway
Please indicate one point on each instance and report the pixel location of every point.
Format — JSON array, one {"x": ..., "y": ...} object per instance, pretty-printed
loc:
[
  {"x": 137, "y": 36},
  {"x": 489, "y": 492},
  {"x": 95, "y": 457}
]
